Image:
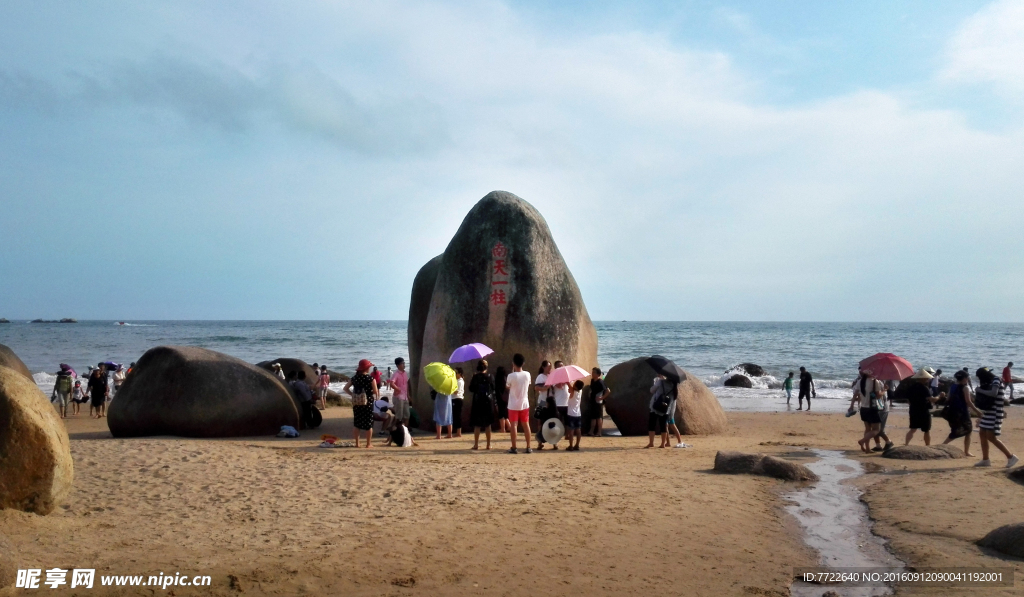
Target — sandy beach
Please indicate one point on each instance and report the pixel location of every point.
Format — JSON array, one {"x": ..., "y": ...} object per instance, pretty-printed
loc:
[{"x": 268, "y": 516}]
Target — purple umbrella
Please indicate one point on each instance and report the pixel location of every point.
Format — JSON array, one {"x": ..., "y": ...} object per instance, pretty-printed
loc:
[
  {"x": 66, "y": 367},
  {"x": 469, "y": 352}
]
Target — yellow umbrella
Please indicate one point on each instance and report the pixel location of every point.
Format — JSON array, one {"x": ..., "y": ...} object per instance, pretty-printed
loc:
[{"x": 441, "y": 377}]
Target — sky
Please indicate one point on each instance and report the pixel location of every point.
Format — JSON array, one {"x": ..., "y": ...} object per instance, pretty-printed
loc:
[{"x": 784, "y": 161}]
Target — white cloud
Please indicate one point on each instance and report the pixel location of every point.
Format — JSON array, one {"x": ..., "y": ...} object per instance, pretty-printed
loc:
[{"x": 989, "y": 48}]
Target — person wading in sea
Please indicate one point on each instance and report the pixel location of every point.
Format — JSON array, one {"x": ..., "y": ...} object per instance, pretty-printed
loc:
[{"x": 806, "y": 389}]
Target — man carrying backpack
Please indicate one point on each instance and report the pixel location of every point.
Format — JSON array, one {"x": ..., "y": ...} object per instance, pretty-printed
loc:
[
  {"x": 62, "y": 391},
  {"x": 663, "y": 402}
]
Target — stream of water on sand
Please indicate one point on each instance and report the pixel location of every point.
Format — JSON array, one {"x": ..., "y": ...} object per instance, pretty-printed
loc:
[{"x": 836, "y": 524}]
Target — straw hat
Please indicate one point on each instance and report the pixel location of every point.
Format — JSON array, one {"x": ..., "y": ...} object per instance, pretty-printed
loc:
[
  {"x": 552, "y": 430},
  {"x": 929, "y": 371},
  {"x": 922, "y": 374}
]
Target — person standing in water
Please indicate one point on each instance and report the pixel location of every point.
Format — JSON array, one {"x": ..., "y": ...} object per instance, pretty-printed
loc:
[
  {"x": 806, "y": 389},
  {"x": 1007, "y": 378},
  {"x": 788, "y": 386},
  {"x": 518, "y": 384}
]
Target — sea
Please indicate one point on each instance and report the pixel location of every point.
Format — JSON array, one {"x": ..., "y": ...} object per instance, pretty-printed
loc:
[{"x": 709, "y": 350}]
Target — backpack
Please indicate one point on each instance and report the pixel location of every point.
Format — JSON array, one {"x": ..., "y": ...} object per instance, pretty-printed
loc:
[
  {"x": 64, "y": 384},
  {"x": 985, "y": 401},
  {"x": 663, "y": 401}
]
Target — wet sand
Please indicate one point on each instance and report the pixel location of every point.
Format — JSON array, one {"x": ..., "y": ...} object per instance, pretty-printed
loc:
[{"x": 268, "y": 516}]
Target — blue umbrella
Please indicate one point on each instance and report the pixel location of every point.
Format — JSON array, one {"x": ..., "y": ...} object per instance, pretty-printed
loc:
[{"x": 469, "y": 352}]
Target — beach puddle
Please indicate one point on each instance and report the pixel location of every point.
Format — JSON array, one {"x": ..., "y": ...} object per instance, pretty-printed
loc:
[{"x": 835, "y": 523}]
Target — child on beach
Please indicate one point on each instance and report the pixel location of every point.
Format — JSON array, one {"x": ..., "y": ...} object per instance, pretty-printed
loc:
[
  {"x": 788, "y": 386},
  {"x": 78, "y": 398},
  {"x": 518, "y": 384},
  {"x": 574, "y": 417}
]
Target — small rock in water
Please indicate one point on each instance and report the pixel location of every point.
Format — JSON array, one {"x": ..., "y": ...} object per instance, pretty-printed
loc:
[{"x": 738, "y": 381}]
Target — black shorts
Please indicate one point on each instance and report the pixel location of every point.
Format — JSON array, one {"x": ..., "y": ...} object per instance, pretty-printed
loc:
[
  {"x": 804, "y": 393},
  {"x": 870, "y": 415},
  {"x": 563, "y": 412},
  {"x": 657, "y": 423},
  {"x": 920, "y": 419},
  {"x": 596, "y": 411}
]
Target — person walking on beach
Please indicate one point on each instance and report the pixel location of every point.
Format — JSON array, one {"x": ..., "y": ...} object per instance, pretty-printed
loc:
[
  {"x": 518, "y": 384},
  {"x": 933, "y": 385},
  {"x": 443, "y": 413},
  {"x": 921, "y": 400},
  {"x": 399, "y": 382},
  {"x": 957, "y": 412},
  {"x": 62, "y": 389},
  {"x": 869, "y": 393},
  {"x": 322, "y": 385},
  {"x": 501, "y": 398},
  {"x": 457, "y": 398},
  {"x": 1007, "y": 378},
  {"x": 98, "y": 391},
  {"x": 363, "y": 390},
  {"x": 883, "y": 418},
  {"x": 970, "y": 382},
  {"x": 788, "y": 386},
  {"x": 598, "y": 392},
  {"x": 481, "y": 414},
  {"x": 663, "y": 401},
  {"x": 574, "y": 416},
  {"x": 806, "y": 389},
  {"x": 78, "y": 398},
  {"x": 991, "y": 400}
]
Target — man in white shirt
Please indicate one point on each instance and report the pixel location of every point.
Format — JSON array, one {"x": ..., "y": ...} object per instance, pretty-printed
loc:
[
  {"x": 561, "y": 397},
  {"x": 518, "y": 384}
]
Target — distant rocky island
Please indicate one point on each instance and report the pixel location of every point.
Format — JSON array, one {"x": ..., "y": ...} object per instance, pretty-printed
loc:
[
  {"x": 65, "y": 320},
  {"x": 4, "y": 320}
]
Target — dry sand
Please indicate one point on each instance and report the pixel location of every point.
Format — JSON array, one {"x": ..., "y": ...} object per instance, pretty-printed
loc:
[{"x": 268, "y": 516}]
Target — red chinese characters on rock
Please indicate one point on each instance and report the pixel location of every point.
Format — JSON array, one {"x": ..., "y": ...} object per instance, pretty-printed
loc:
[{"x": 500, "y": 275}]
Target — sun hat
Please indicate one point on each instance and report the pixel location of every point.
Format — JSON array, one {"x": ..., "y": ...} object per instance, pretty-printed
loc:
[
  {"x": 364, "y": 365},
  {"x": 922, "y": 374},
  {"x": 929, "y": 371}
]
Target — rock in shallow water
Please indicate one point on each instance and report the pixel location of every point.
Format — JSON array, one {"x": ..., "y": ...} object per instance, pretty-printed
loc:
[
  {"x": 36, "y": 469},
  {"x": 738, "y": 463},
  {"x": 738, "y": 381},
  {"x": 936, "y": 452},
  {"x": 194, "y": 392}
]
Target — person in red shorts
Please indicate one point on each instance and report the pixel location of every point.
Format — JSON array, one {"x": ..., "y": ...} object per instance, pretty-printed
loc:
[{"x": 518, "y": 384}]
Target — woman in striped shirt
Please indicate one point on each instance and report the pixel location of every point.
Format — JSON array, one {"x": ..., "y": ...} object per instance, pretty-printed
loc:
[{"x": 990, "y": 395}]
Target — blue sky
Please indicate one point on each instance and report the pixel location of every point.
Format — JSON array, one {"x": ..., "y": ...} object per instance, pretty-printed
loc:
[{"x": 695, "y": 160}]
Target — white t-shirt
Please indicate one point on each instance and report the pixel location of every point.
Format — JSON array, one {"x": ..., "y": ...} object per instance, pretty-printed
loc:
[
  {"x": 518, "y": 384},
  {"x": 574, "y": 404},
  {"x": 380, "y": 405},
  {"x": 562, "y": 396},
  {"x": 460, "y": 391}
]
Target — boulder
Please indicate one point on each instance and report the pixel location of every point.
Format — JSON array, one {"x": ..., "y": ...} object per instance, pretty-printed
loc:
[
  {"x": 738, "y": 463},
  {"x": 36, "y": 469},
  {"x": 195, "y": 392},
  {"x": 11, "y": 361},
  {"x": 937, "y": 452},
  {"x": 1007, "y": 539},
  {"x": 419, "y": 308},
  {"x": 336, "y": 377},
  {"x": 289, "y": 365},
  {"x": 697, "y": 409},
  {"x": 750, "y": 369},
  {"x": 1017, "y": 475},
  {"x": 738, "y": 381},
  {"x": 501, "y": 281},
  {"x": 787, "y": 470}
]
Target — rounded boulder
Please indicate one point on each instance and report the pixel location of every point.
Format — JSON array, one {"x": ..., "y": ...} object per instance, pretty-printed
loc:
[
  {"x": 738, "y": 381},
  {"x": 195, "y": 392},
  {"x": 697, "y": 409},
  {"x": 36, "y": 469},
  {"x": 1007, "y": 539},
  {"x": 11, "y": 361},
  {"x": 936, "y": 452}
]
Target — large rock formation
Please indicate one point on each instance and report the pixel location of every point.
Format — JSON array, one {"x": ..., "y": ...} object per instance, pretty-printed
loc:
[
  {"x": 738, "y": 381},
  {"x": 194, "y": 392},
  {"x": 11, "y": 361},
  {"x": 697, "y": 409},
  {"x": 419, "y": 308},
  {"x": 750, "y": 369},
  {"x": 501, "y": 281},
  {"x": 35, "y": 456}
]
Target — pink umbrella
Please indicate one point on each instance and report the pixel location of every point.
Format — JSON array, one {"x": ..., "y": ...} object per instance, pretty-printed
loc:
[
  {"x": 566, "y": 374},
  {"x": 887, "y": 366}
]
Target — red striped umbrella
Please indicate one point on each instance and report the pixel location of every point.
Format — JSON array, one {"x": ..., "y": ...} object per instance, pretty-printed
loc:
[{"x": 887, "y": 366}]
